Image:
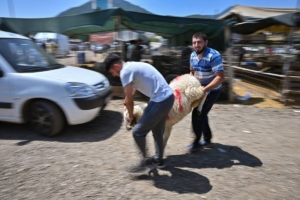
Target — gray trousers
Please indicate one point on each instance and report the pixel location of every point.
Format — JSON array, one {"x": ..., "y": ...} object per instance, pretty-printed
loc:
[{"x": 153, "y": 119}]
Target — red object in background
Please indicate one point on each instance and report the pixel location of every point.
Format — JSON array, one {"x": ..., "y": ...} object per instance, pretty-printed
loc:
[{"x": 106, "y": 38}]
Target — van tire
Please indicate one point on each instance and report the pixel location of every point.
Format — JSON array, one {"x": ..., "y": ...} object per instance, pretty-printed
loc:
[{"x": 46, "y": 118}]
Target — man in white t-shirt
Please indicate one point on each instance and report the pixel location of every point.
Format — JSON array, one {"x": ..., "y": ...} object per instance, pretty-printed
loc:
[{"x": 147, "y": 80}]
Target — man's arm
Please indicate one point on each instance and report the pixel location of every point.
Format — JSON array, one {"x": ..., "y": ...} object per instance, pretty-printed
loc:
[
  {"x": 133, "y": 92},
  {"x": 128, "y": 101},
  {"x": 192, "y": 71},
  {"x": 215, "y": 82},
  {"x": 218, "y": 69}
]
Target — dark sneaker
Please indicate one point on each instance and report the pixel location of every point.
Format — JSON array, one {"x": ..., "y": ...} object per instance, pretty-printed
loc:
[
  {"x": 143, "y": 167},
  {"x": 149, "y": 161},
  {"x": 160, "y": 164},
  {"x": 205, "y": 143},
  {"x": 154, "y": 161},
  {"x": 193, "y": 147}
]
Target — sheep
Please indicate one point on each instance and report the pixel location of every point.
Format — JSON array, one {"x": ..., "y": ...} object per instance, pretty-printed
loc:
[{"x": 188, "y": 95}]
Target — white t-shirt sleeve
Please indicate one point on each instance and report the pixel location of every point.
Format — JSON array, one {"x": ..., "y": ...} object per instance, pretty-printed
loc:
[{"x": 126, "y": 77}]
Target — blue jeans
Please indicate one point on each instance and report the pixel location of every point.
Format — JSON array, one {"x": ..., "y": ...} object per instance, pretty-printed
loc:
[
  {"x": 153, "y": 119},
  {"x": 200, "y": 122}
]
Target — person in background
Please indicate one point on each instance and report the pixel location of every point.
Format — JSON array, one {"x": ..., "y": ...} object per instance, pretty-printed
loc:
[
  {"x": 125, "y": 49},
  {"x": 48, "y": 46},
  {"x": 51, "y": 47},
  {"x": 54, "y": 47},
  {"x": 207, "y": 66},
  {"x": 242, "y": 52},
  {"x": 130, "y": 48},
  {"x": 137, "y": 52}
]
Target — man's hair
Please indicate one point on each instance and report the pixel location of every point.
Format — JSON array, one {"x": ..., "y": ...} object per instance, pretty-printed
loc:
[
  {"x": 200, "y": 35},
  {"x": 110, "y": 60}
]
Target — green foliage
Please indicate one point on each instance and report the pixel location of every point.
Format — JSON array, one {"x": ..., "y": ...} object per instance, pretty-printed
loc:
[
  {"x": 201, "y": 16},
  {"x": 154, "y": 40}
]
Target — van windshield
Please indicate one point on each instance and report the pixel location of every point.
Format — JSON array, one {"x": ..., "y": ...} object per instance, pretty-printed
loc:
[{"x": 25, "y": 56}]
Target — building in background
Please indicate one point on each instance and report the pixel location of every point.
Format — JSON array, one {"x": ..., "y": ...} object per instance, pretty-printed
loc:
[{"x": 101, "y": 4}]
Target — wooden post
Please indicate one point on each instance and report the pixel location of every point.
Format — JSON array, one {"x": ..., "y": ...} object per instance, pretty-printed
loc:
[{"x": 230, "y": 74}]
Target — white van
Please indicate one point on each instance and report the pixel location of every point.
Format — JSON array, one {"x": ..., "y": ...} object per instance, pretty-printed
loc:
[
  {"x": 35, "y": 88},
  {"x": 62, "y": 41}
]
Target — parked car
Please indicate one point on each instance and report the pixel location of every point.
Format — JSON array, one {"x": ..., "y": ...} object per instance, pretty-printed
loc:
[
  {"x": 82, "y": 47},
  {"x": 115, "y": 45},
  {"x": 74, "y": 47},
  {"x": 34, "y": 88},
  {"x": 101, "y": 48}
]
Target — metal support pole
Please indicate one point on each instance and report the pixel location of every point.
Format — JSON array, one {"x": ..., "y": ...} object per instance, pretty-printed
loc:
[
  {"x": 230, "y": 70},
  {"x": 11, "y": 8},
  {"x": 230, "y": 74}
]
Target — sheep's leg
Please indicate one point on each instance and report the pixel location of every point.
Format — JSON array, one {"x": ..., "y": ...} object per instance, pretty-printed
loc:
[
  {"x": 166, "y": 137},
  {"x": 199, "y": 108},
  {"x": 156, "y": 149}
]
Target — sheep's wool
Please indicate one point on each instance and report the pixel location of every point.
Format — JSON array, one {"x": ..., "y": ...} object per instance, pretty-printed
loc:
[{"x": 187, "y": 91}]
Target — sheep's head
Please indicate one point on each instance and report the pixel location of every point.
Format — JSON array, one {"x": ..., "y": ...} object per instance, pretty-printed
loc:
[
  {"x": 128, "y": 125},
  {"x": 138, "y": 111}
]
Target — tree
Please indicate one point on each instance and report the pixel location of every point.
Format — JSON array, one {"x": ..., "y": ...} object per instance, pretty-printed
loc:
[{"x": 154, "y": 40}]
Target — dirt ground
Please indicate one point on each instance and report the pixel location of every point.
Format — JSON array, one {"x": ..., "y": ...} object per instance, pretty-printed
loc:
[{"x": 255, "y": 156}]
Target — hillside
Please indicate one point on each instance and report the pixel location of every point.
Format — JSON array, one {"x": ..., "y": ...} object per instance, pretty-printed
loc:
[
  {"x": 86, "y": 8},
  {"x": 201, "y": 16}
]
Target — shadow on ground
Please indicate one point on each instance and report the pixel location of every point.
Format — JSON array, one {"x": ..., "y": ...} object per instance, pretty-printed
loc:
[
  {"x": 186, "y": 181},
  {"x": 101, "y": 128},
  {"x": 181, "y": 181},
  {"x": 219, "y": 156}
]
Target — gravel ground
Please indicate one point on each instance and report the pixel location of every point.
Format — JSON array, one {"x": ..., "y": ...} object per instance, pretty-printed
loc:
[{"x": 255, "y": 156}]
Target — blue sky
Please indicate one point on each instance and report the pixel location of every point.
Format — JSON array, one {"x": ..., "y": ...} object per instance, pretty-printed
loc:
[{"x": 50, "y": 8}]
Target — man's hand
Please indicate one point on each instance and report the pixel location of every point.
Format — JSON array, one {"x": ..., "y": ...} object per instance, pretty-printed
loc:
[
  {"x": 204, "y": 92},
  {"x": 215, "y": 82},
  {"x": 129, "y": 119},
  {"x": 204, "y": 95}
]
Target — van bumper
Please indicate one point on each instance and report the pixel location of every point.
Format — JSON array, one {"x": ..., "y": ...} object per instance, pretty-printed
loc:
[
  {"x": 99, "y": 100},
  {"x": 82, "y": 110}
]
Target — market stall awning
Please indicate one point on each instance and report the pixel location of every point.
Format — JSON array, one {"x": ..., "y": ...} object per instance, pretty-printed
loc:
[
  {"x": 279, "y": 24},
  {"x": 112, "y": 19},
  {"x": 245, "y": 13}
]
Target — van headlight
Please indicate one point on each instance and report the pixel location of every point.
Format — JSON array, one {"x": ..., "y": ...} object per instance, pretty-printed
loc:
[{"x": 79, "y": 89}]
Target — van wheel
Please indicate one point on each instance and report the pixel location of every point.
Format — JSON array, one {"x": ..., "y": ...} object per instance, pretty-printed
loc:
[{"x": 46, "y": 118}]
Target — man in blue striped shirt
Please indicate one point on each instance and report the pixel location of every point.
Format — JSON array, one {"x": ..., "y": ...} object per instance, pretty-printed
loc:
[{"x": 207, "y": 66}]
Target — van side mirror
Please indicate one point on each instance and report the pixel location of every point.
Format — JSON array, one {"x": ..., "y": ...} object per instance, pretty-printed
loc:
[{"x": 1, "y": 73}]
